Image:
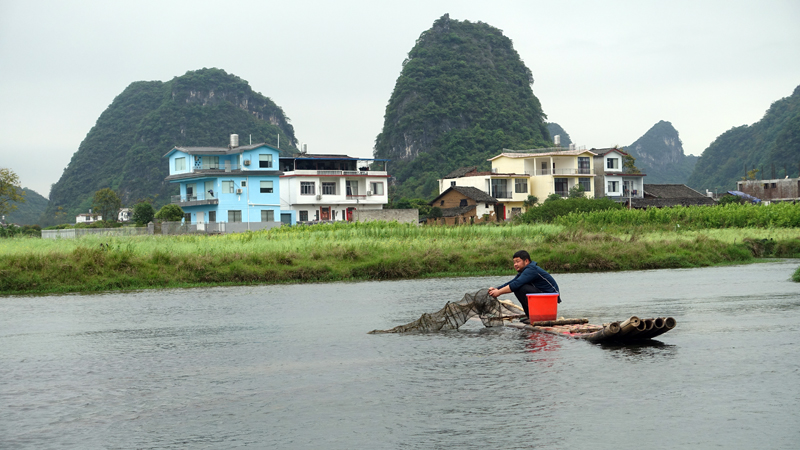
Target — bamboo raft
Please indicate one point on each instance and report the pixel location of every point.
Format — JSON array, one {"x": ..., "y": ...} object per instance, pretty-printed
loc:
[{"x": 631, "y": 330}]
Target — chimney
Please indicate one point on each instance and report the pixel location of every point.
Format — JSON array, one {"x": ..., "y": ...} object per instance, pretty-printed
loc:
[{"x": 234, "y": 140}]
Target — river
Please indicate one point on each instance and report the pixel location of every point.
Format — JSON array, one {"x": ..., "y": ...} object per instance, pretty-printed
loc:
[{"x": 292, "y": 366}]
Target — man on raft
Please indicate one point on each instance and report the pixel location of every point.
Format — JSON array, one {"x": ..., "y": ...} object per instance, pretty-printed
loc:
[{"x": 530, "y": 279}]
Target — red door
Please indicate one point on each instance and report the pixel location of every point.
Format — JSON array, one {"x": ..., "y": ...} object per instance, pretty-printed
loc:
[
  {"x": 350, "y": 214},
  {"x": 325, "y": 213}
]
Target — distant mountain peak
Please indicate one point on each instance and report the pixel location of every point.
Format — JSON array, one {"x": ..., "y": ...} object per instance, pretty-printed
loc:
[{"x": 659, "y": 153}]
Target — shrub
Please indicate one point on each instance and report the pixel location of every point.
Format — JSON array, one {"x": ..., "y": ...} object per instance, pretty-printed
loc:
[
  {"x": 170, "y": 213},
  {"x": 143, "y": 213}
]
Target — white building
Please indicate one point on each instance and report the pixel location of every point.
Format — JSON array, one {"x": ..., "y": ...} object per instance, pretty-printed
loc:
[
  {"x": 88, "y": 218},
  {"x": 331, "y": 187}
]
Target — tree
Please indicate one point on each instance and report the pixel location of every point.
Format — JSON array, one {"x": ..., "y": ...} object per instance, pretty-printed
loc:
[
  {"x": 106, "y": 203},
  {"x": 576, "y": 191},
  {"x": 143, "y": 213},
  {"x": 531, "y": 201},
  {"x": 629, "y": 164},
  {"x": 10, "y": 191},
  {"x": 170, "y": 213}
]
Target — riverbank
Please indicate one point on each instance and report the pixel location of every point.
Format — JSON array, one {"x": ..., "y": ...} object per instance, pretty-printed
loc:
[{"x": 345, "y": 252}]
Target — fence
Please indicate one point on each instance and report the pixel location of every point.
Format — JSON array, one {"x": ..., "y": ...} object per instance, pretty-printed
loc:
[
  {"x": 212, "y": 227},
  {"x": 73, "y": 233}
]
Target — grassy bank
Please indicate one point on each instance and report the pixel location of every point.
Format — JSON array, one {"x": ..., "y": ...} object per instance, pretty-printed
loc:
[{"x": 364, "y": 251}]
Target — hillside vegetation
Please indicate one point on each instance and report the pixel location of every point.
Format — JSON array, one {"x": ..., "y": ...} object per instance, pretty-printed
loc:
[
  {"x": 771, "y": 145},
  {"x": 124, "y": 150},
  {"x": 30, "y": 211},
  {"x": 462, "y": 96},
  {"x": 659, "y": 154}
]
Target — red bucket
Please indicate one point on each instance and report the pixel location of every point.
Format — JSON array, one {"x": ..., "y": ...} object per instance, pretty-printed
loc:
[{"x": 542, "y": 306}]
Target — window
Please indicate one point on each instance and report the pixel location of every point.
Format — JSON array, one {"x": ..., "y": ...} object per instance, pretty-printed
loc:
[
  {"x": 585, "y": 183},
  {"x": 452, "y": 183},
  {"x": 328, "y": 188},
  {"x": 267, "y": 215},
  {"x": 180, "y": 164},
  {"x": 187, "y": 217},
  {"x": 520, "y": 185},
  {"x": 244, "y": 183},
  {"x": 212, "y": 216},
  {"x": 500, "y": 188},
  {"x": 303, "y": 216},
  {"x": 613, "y": 186},
  {"x": 210, "y": 162},
  {"x": 352, "y": 187},
  {"x": 227, "y": 187},
  {"x": 441, "y": 203},
  {"x": 234, "y": 216},
  {"x": 265, "y": 161},
  {"x": 306, "y": 188},
  {"x": 266, "y": 187},
  {"x": 463, "y": 202},
  {"x": 773, "y": 185},
  {"x": 377, "y": 188},
  {"x": 561, "y": 186},
  {"x": 612, "y": 163},
  {"x": 583, "y": 165}
]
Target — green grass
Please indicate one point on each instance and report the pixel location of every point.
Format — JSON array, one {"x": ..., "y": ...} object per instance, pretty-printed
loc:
[{"x": 370, "y": 251}]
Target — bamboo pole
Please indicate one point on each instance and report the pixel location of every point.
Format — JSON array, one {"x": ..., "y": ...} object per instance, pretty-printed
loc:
[
  {"x": 669, "y": 323},
  {"x": 550, "y": 323},
  {"x": 633, "y": 334},
  {"x": 628, "y": 326},
  {"x": 658, "y": 323}
]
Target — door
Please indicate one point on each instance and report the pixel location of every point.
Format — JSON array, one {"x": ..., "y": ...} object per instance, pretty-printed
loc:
[
  {"x": 201, "y": 217},
  {"x": 500, "y": 212},
  {"x": 350, "y": 214},
  {"x": 325, "y": 213},
  {"x": 286, "y": 218}
]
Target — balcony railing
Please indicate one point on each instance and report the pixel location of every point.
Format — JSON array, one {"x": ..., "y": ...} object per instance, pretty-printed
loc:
[
  {"x": 193, "y": 200},
  {"x": 338, "y": 172},
  {"x": 496, "y": 193},
  {"x": 226, "y": 166},
  {"x": 567, "y": 171}
]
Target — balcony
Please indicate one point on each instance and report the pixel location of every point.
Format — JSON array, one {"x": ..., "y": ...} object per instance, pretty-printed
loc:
[
  {"x": 568, "y": 171},
  {"x": 193, "y": 200},
  {"x": 340, "y": 173},
  {"x": 496, "y": 193},
  {"x": 226, "y": 166}
]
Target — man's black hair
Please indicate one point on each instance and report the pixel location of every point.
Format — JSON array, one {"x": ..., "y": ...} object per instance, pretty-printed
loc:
[{"x": 523, "y": 255}]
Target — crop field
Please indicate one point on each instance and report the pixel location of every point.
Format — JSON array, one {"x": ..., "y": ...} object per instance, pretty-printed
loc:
[{"x": 374, "y": 251}]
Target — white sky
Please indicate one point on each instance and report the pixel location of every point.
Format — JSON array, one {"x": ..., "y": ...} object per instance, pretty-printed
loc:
[{"x": 604, "y": 70}]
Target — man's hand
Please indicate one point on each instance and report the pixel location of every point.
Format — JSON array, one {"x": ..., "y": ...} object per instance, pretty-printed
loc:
[{"x": 494, "y": 292}]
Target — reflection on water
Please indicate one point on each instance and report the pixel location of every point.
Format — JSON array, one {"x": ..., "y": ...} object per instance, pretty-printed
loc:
[{"x": 294, "y": 367}]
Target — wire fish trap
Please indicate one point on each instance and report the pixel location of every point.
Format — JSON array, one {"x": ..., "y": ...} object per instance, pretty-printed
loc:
[{"x": 491, "y": 311}]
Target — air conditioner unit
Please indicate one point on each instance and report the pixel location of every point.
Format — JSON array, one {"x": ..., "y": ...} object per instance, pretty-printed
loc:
[
  {"x": 238, "y": 191},
  {"x": 369, "y": 193},
  {"x": 319, "y": 197},
  {"x": 246, "y": 162}
]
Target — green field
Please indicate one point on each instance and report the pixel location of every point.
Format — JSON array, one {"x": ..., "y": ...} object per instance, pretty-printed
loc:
[{"x": 372, "y": 251}]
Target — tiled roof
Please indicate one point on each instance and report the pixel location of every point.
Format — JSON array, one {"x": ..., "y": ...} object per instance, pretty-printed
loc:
[
  {"x": 216, "y": 150},
  {"x": 651, "y": 202},
  {"x": 671, "y": 191},
  {"x": 605, "y": 151},
  {"x": 460, "y": 172},
  {"x": 469, "y": 192}
]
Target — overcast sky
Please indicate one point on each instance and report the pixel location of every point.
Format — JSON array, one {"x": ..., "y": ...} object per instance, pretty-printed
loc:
[{"x": 606, "y": 71}]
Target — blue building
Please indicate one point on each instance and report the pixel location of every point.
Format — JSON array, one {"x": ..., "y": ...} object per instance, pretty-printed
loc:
[{"x": 236, "y": 185}]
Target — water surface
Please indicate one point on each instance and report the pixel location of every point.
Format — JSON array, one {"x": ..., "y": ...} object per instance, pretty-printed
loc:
[{"x": 293, "y": 367}]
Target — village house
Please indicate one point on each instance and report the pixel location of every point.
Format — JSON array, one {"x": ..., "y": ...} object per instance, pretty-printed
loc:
[
  {"x": 331, "y": 187},
  {"x": 610, "y": 178},
  {"x": 666, "y": 195},
  {"x": 236, "y": 185},
  {"x": 517, "y": 174},
  {"x": 776, "y": 190},
  {"x": 88, "y": 218},
  {"x": 464, "y": 204}
]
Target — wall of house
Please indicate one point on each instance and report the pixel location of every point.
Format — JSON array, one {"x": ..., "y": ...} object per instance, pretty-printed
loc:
[
  {"x": 387, "y": 215},
  {"x": 770, "y": 190}
]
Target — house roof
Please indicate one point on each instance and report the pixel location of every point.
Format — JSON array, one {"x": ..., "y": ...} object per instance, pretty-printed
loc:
[
  {"x": 217, "y": 150},
  {"x": 460, "y": 172},
  {"x": 469, "y": 192},
  {"x": 524, "y": 154},
  {"x": 605, "y": 151},
  {"x": 651, "y": 202},
  {"x": 671, "y": 191}
]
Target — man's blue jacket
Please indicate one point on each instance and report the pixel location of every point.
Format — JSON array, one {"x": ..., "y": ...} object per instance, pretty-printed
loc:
[{"x": 535, "y": 275}]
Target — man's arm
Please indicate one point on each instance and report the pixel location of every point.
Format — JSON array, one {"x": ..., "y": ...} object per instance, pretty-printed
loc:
[{"x": 496, "y": 292}]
